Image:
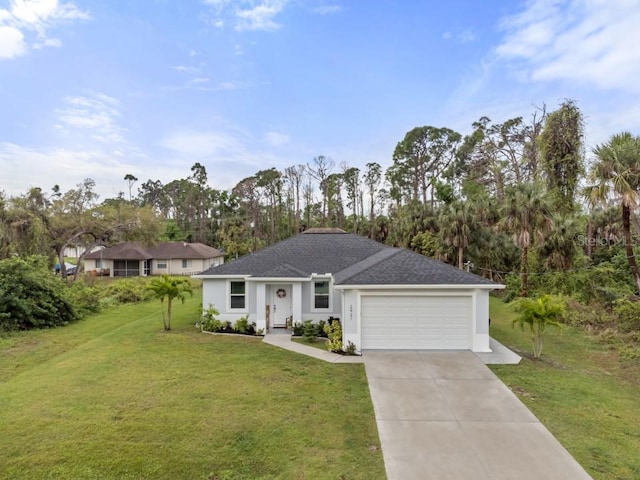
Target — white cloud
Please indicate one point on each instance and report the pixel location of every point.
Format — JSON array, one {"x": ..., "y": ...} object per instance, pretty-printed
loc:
[
  {"x": 327, "y": 9},
  {"x": 200, "y": 145},
  {"x": 44, "y": 167},
  {"x": 186, "y": 69},
  {"x": 588, "y": 42},
  {"x": 466, "y": 37},
  {"x": 12, "y": 42},
  {"x": 217, "y": 3},
  {"x": 260, "y": 16},
  {"x": 233, "y": 152},
  {"x": 48, "y": 42},
  {"x": 250, "y": 15},
  {"x": 32, "y": 167},
  {"x": 35, "y": 18},
  {"x": 96, "y": 113},
  {"x": 276, "y": 139}
]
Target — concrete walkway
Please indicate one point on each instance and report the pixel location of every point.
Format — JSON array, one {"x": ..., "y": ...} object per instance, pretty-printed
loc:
[
  {"x": 445, "y": 415},
  {"x": 500, "y": 355},
  {"x": 284, "y": 341}
]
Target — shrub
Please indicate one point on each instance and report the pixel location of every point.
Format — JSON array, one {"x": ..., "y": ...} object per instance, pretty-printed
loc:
[
  {"x": 320, "y": 329},
  {"x": 31, "y": 297},
  {"x": 298, "y": 329},
  {"x": 108, "y": 302},
  {"x": 351, "y": 348},
  {"x": 128, "y": 291},
  {"x": 334, "y": 333},
  {"x": 242, "y": 325},
  {"x": 211, "y": 325},
  {"x": 310, "y": 330},
  {"x": 85, "y": 299},
  {"x": 628, "y": 314},
  {"x": 210, "y": 322},
  {"x": 594, "y": 315}
]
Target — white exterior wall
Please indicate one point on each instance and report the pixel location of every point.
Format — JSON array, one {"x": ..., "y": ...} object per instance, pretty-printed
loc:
[
  {"x": 216, "y": 292},
  {"x": 309, "y": 313},
  {"x": 194, "y": 265},
  {"x": 350, "y": 318},
  {"x": 480, "y": 337},
  {"x": 260, "y": 294},
  {"x": 90, "y": 265}
]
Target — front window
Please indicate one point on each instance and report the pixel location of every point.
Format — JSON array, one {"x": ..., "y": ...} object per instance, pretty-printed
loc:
[
  {"x": 321, "y": 294},
  {"x": 238, "y": 295},
  {"x": 99, "y": 263},
  {"x": 162, "y": 264},
  {"x": 186, "y": 263}
]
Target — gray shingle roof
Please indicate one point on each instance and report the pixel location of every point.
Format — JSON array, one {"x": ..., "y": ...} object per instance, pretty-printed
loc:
[
  {"x": 122, "y": 251},
  {"x": 404, "y": 267},
  {"x": 183, "y": 250},
  {"x": 166, "y": 250},
  {"x": 353, "y": 260}
]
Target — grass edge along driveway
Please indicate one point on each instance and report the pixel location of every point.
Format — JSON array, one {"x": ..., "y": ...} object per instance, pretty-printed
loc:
[
  {"x": 583, "y": 392},
  {"x": 115, "y": 397}
]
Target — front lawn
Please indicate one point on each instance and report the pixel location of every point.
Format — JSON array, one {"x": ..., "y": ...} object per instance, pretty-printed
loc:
[
  {"x": 317, "y": 342},
  {"x": 115, "y": 397},
  {"x": 583, "y": 392}
]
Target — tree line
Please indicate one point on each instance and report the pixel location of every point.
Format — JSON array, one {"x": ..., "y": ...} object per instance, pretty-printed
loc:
[{"x": 509, "y": 201}]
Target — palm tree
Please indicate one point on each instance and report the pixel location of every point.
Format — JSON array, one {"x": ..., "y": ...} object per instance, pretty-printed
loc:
[
  {"x": 537, "y": 313},
  {"x": 170, "y": 288},
  {"x": 559, "y": 247},
  {"x": 455, "y": 229},
  {"x": 616, "y": 173},
  {"x": 525, "y": 214}
]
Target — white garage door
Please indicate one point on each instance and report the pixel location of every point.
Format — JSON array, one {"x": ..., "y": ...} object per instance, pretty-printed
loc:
[{"x": 416, "y": 322}]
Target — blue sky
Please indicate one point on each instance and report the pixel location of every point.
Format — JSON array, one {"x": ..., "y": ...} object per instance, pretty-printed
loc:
[{"x": 101, "y": 89}]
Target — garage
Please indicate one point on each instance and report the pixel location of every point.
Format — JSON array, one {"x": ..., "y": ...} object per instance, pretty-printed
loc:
[{"x": 416, "y": 322}]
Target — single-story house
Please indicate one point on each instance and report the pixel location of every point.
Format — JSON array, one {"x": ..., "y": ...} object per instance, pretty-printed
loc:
[
  {"x": 386, "y": 298},
  {"x": 132, "y": 259}
]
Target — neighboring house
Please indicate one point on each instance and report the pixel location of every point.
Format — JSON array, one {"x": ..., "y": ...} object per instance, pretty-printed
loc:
[
  {"x": 132, "y": 259},
  {"x": 386, "y": 298}
]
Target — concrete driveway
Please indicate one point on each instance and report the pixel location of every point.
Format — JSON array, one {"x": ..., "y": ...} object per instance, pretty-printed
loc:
[{"x": 445, "y": 415}]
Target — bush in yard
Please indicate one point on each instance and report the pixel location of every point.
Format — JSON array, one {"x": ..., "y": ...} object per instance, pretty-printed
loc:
[
  {"x": 310, "y": 330},
  {"x": 242, "y": 325},
  {"x": 85, "y": 299},
  {"x": 31, "y": 296},
  {"x": 334, "y": 333},
  {"x": 210, "y": 322},
  {"x": 350, "y": 348},
  {"x": 226, "y": 327},
  {"x": 320, "y": 328},
  {"x": 537, "y": 313},
  {"x": 127, "y": 291},
  {"x": 628, "y": 314},
  {"x": 298, "y": 329}
]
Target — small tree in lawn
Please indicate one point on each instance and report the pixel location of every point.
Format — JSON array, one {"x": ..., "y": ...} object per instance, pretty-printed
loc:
[
  {"x": 170, "y": 288},
  {"x": 537, "y": 313}
]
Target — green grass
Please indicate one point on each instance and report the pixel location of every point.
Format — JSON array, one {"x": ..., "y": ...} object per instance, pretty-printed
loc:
[
  {"x": 584, "y": 393},
  {"x": 115, "y": 397},
  {"x": 317, "y": 342}
]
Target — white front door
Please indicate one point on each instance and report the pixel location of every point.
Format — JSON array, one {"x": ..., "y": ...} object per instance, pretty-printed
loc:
[{"x": 281, "y": 304}]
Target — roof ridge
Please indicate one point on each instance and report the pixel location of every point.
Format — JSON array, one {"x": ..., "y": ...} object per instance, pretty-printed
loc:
[
  {"x": 371, "y": 261},
  {"x": 291, "y": 267}
]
